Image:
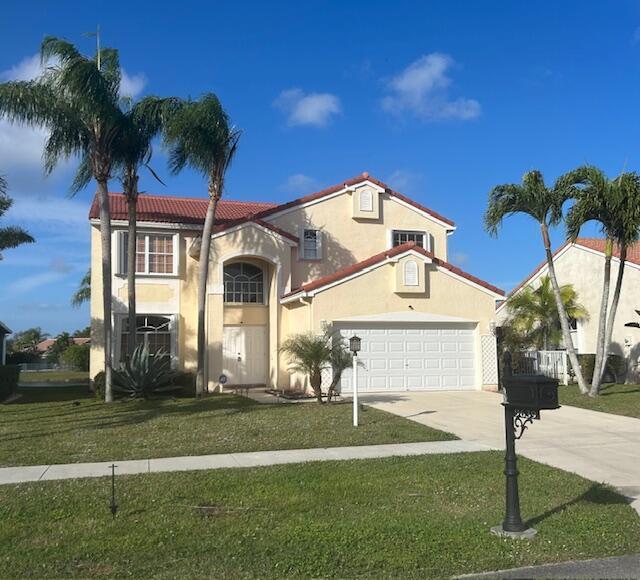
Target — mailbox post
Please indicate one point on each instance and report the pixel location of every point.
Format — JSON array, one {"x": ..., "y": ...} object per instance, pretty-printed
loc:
[{"x": 524, "y": 397}]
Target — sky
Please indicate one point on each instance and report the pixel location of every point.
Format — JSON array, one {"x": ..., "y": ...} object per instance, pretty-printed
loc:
[{"x": 442, "y": 100}]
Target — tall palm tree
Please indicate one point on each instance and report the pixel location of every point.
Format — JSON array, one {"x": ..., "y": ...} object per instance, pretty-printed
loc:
[
  {"x": 77, "y": 101},
  {"x": 199, "y": 135},
  {"x": 11, "y": 236},
  {"x": 615, "y": 204},
  {"x": 142, "y": 123},
  {"x": 544, "y": 204},
  {"x": 533, "y": 313}
]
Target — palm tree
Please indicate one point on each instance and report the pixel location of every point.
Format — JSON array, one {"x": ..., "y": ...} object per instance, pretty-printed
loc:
[
  {"x": 199, "y": 135},
  {"x": 142, "y": 123},
  {"x": 615, "y": 204},
  {"x": 544, "y": 204},
  {"x": 77, "y": 101},
  {"x": 534, "y": 316},
  {"x": 12, "y": 236},
  {"x": 309, "y": 354},
  {"x": 83, "y": 293}
]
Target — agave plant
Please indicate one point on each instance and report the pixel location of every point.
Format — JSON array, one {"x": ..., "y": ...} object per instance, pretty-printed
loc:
[{"x": 143, "y": 374}]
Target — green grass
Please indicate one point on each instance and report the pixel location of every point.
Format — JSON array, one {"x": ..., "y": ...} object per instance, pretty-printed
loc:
[
  {"x": 54, "y": 377},
  {"x": 616, "y": 399},
  {"x": 70, "y": 429},
  {"x": 419, "y": 517}
]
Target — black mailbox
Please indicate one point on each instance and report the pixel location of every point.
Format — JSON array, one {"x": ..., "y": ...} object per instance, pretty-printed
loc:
[{"x": 531, "y": 392}]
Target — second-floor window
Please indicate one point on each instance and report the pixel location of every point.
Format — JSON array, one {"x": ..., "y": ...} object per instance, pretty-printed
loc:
[
  {"x": 403, "y": 236},
  {"x": 155, "y": 253},
  {"x": 311, "y": 244}
]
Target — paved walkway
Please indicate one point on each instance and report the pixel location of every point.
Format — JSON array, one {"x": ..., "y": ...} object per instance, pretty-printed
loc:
[
  {"x": 219, "y": 461},
  {"x": 599, "y": 446},
  {"x": 618, "y": 567}
]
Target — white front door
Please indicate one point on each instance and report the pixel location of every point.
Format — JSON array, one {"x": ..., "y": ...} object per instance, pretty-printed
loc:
[
  {"x": 421, "y": 357},
  {"x": 244, "y": 351}
]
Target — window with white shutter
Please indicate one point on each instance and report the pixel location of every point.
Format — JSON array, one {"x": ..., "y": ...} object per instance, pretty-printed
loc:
[
  {"x": 311, "y": 244},
  {"x": 366, "y": 200},
  {"x": 411, "y": 273}
]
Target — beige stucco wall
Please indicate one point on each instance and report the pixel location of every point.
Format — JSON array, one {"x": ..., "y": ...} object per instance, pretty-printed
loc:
[
  {"x": 347, "y": 240},
  {"x": 584, "y": 270},
  {"x": 373, "y": 293},
  {"x": 96, "y": 359}
]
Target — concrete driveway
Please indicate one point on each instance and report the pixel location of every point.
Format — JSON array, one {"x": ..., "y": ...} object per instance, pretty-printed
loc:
[{"x": 599, "y": 446}]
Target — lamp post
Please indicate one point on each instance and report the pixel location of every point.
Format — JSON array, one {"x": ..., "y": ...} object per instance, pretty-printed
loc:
[{"x": 354, "y": 347}]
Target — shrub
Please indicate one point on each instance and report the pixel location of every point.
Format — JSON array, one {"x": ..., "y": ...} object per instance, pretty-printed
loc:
[
  {"x": 614, "y": 371},
  {"x": 98, "y": 385},
  {"x": 144, "y": 373},
  {"x": 185, "y": 382},
  {"x": 20, "y": 357},
  {"x": 76, "y": 357},
  {"x": 9, "y": 376}
]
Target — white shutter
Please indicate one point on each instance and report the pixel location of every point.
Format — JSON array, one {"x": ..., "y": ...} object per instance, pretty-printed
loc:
[
  {"x": 366, "y": 200},
  {"x": 411, "y": 273}
]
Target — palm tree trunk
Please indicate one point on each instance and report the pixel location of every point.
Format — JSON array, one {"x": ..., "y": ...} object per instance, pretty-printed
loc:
[
  {"x": 562, "y": 313},
  {"x": 602, "y": 321},
  {"x": 613, "y": 309},
  {"x": 132, "y": 241},
  {"x": 205, "y": 249},
  {"x": 105, "y": 238}
]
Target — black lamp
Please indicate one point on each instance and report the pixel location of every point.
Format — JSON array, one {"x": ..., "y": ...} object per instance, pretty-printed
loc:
[{"x": 354, "y": 344}]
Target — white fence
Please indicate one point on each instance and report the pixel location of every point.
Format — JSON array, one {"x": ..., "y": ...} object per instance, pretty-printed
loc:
[{"x": 551, "y": 363}]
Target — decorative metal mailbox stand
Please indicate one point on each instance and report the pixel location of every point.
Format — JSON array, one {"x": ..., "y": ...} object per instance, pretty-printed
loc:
[{"x": 524, "y": 397}]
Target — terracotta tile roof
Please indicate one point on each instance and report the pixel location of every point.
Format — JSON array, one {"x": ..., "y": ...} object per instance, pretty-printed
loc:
[
  {"x": 166, "y": 209},
  {"x": 183, "y": 210},
  {"x": 381, "y": 257},
  {"x": 596, "y": 244},
  {"x": 47, "y": 343},
  {"x": 221, "y": 227}
]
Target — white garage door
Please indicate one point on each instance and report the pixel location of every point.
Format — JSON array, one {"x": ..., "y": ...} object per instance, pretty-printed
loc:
[{"x": 417, "y": 357}]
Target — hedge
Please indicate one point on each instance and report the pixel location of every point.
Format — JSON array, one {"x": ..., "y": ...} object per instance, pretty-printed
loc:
[
  {"x": 9, "y": 375},
  {"x": 614, "y": 372}
]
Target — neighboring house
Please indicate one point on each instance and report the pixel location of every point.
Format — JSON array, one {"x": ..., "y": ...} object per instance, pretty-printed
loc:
[
  {"x": 581, "y": 264},
  {"x": 357, "y": 257},
  {"x": 43, "y": 347},
  {"x": 4, "y": 332}
]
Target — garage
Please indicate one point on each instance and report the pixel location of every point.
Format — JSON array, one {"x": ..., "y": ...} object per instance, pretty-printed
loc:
[{"x": 406, "y": 356}]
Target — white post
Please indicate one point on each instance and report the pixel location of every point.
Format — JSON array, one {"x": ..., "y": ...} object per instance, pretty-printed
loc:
[
  {"x": 355, "y": 389},
  {"x": 565, "y": 370}
]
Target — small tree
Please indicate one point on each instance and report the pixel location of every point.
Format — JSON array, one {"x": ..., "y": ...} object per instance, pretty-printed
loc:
[
  {"x": 533, "y": 315},
  {"x": 341, "y": 360},
  {"x": 27, "y": 341},
  {"x": 309, "y": 354},
  {"x": 76, "y": 357}
]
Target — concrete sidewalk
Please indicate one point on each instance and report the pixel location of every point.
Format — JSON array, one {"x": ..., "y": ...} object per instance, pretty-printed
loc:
[{"x": 27, "y": 473}]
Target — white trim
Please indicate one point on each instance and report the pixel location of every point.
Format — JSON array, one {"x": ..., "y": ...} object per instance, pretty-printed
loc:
[
  {"x": 449, "y": 227},
  {"x": 393, "y": 259},
  {"x": 118, "y": 319},
  {"x": 219, "y": 288},
  {"x": 404, "y": 316},
  {"x": 426, "y": 237},
  {"x": 117, "y": 240},
  {"x": 151, "y": 225},
  {"x": 345, "y": 189},
  {"x": 264, "y": 229}
]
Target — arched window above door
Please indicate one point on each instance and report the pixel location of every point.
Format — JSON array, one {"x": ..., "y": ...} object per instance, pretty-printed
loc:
[{"x": 243, "y": 283}]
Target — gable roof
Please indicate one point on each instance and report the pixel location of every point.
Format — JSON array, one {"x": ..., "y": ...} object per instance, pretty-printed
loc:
[
  {"x": 382, "y": 257},
  {"x": 185, "y": 210},
  {"x": 47, "y": 343},
  {"x": 593, "y": 244}
]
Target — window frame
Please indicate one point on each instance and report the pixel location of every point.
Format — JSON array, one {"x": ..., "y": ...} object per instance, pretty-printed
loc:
[
  {"x": 121, "y": 319},
  {"x": 318, "y": 249},
  {"x": 413, "y": 264},
  {"x": 146, "y": 234},
  {"x": 426, "y": 238},
  {"x": 262, "y": 302}
]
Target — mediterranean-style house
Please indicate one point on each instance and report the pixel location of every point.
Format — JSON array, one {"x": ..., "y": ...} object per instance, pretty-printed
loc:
[
  {"x": 356, "y": 257},
  {"x": 581, "y": 264}
]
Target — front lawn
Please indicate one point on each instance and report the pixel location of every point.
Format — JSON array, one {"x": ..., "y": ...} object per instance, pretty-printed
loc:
[
  {"x": 418, "y": 517},
  {"x": 54, "y": 377},
  {"x": 617, "y": 399},
  {"x": 67, "y": 425}
]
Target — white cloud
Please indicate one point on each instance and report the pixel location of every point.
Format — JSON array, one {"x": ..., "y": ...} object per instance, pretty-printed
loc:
[
  {"x": 299, "y": 183},
  {"x": 33, "y": 281},
  {"x": 54, "y": 211},
  {"x": 404, "y": 180},
  {"x": 313, "y": 109},
  {"x": 132, "y": 85},
  {"x": 422, "y": 89},
  {"x": 28, "y": 68}
]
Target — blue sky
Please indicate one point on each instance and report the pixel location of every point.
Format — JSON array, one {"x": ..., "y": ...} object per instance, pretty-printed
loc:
[{"x": 443, "y": 100}]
